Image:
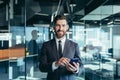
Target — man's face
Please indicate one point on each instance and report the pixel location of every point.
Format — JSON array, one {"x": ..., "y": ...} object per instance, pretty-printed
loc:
[{"x": 60, "y": 28}]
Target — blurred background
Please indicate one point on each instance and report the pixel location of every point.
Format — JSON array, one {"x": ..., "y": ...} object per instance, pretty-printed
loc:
[{"x": 26, "y": 24}]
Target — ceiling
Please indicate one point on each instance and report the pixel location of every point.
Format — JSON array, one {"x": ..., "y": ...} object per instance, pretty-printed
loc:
[{"x": 43, "y": 11}]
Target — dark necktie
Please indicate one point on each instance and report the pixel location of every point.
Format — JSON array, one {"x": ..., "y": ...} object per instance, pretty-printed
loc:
[{"x": 60, "y": 48}]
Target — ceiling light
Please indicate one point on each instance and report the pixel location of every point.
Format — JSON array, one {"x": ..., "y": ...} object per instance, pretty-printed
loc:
[
  {"x": 106, "y": 19},
  {"x": 66, "y": 14},
  {"x": 1, "y": 2},
  {"x": 41, "y": 14},
  {"x": 72, "y": 3},
  {"x": 117, "y": 19},
  {"x": 111, "y": 22}
]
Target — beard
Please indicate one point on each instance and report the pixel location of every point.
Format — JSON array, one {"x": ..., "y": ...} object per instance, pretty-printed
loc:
[{"x": 60, "y": 33}]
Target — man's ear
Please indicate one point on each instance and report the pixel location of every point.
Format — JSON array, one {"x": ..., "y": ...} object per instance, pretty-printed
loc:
[{"x": 67, "y": 27}]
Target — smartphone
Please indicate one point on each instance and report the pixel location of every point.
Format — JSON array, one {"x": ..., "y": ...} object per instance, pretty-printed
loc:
[{"x": 74, "y": 60}]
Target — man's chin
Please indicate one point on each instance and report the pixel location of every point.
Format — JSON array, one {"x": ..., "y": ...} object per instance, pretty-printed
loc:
[{"x": 60, "y": 36}]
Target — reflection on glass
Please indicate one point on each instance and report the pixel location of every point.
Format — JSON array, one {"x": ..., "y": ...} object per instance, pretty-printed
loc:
[{"x": 35, "y": 36}]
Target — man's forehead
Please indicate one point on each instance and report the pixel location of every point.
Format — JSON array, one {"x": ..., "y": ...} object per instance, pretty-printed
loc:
[{"x": 61, "y": 22}]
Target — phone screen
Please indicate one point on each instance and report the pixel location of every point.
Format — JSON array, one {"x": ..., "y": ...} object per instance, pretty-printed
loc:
[{"x": 73, "y": 60}]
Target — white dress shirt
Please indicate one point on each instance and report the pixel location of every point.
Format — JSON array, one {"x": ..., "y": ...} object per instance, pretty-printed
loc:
[{"x": 62, "y": 43}]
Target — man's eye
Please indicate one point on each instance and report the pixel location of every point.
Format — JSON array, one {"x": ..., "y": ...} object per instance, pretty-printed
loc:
[{"x": 64, "y": 25}]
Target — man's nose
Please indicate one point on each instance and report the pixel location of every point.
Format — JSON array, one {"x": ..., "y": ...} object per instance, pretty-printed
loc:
[{"x": 60, "y": 27}]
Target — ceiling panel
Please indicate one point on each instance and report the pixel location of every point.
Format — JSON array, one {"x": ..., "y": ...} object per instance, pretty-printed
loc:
[
  {"x": 102, "y": 12},
  {"x": 42, "y": 11}
]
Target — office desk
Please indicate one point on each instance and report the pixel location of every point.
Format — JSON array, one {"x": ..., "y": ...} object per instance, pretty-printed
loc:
[
  {"x": 15, "y": 52},
  {"x": 117, "y": 60},
  {"x": 9, "y": 58},
  {"x": 95, "y": 72},
  {"x": 9, "y": 54}
]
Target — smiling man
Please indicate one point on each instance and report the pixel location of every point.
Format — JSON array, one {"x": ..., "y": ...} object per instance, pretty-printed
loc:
[{"x": 56, "y": 54}]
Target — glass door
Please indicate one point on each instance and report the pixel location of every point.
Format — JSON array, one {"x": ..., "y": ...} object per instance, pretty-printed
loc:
[{"x": 35, "y": 36}]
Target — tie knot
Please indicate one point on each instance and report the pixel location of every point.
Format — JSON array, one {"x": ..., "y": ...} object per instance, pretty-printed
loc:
[{"x": 59, "y": 41}]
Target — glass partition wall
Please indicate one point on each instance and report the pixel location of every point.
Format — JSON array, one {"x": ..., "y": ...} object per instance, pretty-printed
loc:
[
  {"x": 100, "y": 62},
  {"x": 21, "y": 37},
  {"x": 12, "y": 39},
  {"x": 17, "y": 23}
]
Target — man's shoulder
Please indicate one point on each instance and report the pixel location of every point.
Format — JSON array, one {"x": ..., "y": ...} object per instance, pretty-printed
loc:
[
  {"x": 72, "y": 42},
  {"x": 49, "y": 41}
]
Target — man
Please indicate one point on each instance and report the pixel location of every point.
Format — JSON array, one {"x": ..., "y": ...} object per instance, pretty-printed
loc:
[
  {"x": 33, "y": 50},
  {"x": 55, "y": 63}
]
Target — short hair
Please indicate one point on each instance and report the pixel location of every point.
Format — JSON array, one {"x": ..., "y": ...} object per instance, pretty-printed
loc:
[
  {"x": 34, "y": 32},
  {"x": 59, "y": 17}
]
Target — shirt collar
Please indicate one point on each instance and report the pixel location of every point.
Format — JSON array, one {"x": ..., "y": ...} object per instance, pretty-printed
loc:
[{"x": 62, "y": 39}]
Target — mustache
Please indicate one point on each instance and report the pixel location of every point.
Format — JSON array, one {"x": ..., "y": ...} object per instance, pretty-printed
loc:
[{"x": 59, "y": 30}]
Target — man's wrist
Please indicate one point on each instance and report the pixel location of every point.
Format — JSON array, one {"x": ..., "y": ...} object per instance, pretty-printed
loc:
[
  {"x": 56, "y": 63},
  {"x": 54, "y": 66}
]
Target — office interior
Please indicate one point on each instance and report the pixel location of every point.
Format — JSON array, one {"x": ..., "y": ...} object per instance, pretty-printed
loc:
[{"x": 26, "y": 24}]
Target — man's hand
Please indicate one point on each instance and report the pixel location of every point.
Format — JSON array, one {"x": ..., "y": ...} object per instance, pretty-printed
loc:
[
  {"x": 74, "y": 68},
  {"x": 62, "y": 62},
  {"x": 65, "y": 62}
]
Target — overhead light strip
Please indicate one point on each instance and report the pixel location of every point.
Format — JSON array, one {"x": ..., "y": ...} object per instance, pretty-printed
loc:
[
  {"x": 1, "y": 2},
  {"x": 58, "y": 7}
]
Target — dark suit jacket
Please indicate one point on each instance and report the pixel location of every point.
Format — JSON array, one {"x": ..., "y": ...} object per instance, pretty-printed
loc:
[{"x": 49, "y": 54}]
